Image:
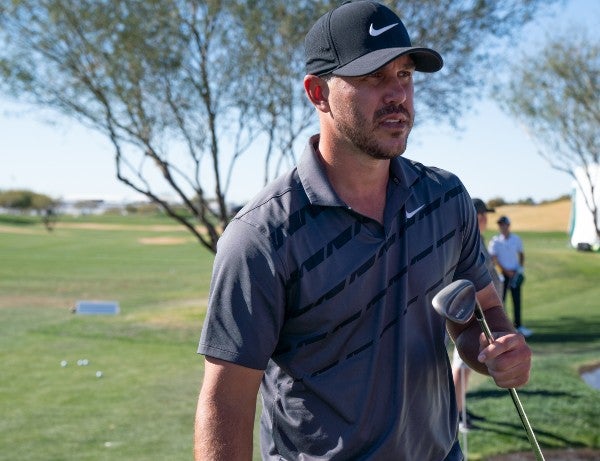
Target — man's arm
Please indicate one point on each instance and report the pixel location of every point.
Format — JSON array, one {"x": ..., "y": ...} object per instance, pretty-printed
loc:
[
  {"x": 225, "y": 415},
  {"x": 508, "y": 359}
]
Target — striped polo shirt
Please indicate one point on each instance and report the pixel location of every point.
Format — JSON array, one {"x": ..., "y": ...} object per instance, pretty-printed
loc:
[{"x": 336, "y": 308}]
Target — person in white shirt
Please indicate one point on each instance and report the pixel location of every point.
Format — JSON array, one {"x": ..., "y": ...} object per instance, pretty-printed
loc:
[{"x": 506, "y": 250}]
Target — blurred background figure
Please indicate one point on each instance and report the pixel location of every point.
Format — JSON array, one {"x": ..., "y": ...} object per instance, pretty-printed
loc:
[{"x": 506, "y": 250}]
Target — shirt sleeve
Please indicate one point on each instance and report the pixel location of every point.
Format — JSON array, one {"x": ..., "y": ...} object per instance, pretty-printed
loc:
[
  {"x": 246, "y": 301},
  {"x": 472, "y": 265}
]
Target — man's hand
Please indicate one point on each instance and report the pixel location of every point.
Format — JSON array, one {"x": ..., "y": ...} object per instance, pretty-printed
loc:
[{"x": 508, "y": 359}]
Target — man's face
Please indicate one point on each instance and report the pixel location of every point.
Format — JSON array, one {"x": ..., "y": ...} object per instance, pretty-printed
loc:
[{"x": 374, "y": 113}]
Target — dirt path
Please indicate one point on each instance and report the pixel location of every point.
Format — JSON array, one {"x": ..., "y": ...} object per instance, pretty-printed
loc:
[{"x": 546, "y": 217}]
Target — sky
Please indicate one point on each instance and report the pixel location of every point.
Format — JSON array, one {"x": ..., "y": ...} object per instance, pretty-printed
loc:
[{"x": 493, "y": 155}]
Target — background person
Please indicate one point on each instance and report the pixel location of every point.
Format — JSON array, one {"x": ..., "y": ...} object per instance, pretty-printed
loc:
[
  {"x": 322, "y": 285},
  {"x": 506, "y": 249},
  {"x": 460, "y": 370}
]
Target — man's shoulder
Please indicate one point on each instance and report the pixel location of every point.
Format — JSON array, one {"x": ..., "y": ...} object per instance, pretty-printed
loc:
[
  {"x": 271, "y": 195},
  {"x": 422, "y": 169},
  {"x": 271, "y": 208},
  {"x": 414, "y": 172}
]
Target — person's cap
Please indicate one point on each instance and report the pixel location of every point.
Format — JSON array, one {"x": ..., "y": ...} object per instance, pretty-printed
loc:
[
  {"x": 358, "y": 38},
  {"x": 481, "y": 207},
  {"x": 504, "y": 220}
]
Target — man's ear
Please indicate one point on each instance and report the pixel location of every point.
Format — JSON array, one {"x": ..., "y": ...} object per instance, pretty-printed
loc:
[{"x": 317, "y": 91}]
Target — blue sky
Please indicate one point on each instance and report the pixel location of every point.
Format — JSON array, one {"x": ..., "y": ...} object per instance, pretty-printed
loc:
[{"x": 493, "y": 155}]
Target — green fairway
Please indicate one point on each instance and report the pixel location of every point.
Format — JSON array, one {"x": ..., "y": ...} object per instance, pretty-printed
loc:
[
  {"x": 142, "y": 407},
  {"x": 562, "y": 306}
]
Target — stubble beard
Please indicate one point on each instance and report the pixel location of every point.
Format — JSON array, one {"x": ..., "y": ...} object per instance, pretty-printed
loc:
[{"x": 358, "y": 130}]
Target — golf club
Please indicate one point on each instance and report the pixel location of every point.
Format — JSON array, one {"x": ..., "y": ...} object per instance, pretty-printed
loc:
[{"x": 457, "y": 302}]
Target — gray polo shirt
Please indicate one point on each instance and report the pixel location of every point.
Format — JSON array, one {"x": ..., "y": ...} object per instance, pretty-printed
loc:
[{"x": 336, "y": 309}]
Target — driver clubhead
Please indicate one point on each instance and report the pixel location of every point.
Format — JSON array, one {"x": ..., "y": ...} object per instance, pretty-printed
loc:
[{"x": 456, "y": 302}]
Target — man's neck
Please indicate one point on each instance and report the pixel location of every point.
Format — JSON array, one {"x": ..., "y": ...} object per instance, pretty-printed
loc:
[{"x": 361, "y": 181}]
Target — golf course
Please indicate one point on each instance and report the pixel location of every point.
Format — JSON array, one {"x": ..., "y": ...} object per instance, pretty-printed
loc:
[{"x": 124, "y": 387}]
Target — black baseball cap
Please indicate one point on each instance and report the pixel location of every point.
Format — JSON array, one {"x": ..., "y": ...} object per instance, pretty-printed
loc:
[
  {"x": 503, "y": 220},
  {"x": 358, "y": 38},
  {"x": 481, "y": 207}
]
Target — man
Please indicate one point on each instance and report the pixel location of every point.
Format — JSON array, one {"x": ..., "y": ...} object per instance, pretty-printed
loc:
[
  {"x": 460, "y": 370},
  {"x": 322, "y": 285},
  {"x": 482, "y": 219},
  {"x": 506, "y": 250}
]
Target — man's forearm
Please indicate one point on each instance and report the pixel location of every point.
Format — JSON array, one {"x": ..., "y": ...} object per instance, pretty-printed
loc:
[
  {"x": 467, "y": 344},
  {"x": 224, "y": 423},
  {"x": 223, "y": 432}
]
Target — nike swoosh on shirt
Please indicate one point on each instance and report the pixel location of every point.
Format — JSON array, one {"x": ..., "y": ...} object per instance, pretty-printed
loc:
[
  {"x": 410, "y": 214},
  {"x": 375, "y": 32}
]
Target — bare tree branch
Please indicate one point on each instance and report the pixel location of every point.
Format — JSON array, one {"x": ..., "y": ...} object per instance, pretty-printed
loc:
[
  {"x": 555, "y": 96},
  {"x": 184, "y": 88}
]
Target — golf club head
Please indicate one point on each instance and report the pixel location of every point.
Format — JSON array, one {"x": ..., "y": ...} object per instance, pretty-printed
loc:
[{"x": 456, "y": 302}]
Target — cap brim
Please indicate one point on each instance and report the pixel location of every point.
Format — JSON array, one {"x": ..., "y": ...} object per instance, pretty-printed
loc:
[{"x": 425, "y": 59}]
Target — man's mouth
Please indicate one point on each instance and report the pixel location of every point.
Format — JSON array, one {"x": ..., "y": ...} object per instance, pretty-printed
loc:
[
  {"x": 393, "y": 121},
  {"x": 392, "y": 117}
]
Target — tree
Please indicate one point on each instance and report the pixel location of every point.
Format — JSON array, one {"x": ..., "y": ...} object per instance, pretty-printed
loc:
[
  {"x": 26, "y": 200},
  {"x": 554, "y": 93},
  {"x": 184, "y": 88}
]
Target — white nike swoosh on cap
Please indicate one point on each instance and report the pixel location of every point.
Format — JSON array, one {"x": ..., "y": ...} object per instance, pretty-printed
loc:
[
  {"x": 410, "y": 214},
  {"x": 375, "y": 32}
]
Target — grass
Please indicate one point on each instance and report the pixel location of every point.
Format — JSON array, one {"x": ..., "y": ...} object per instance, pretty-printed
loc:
[
  {"x": 142, "y": 407},
  {"x": 561, "y": 295}
]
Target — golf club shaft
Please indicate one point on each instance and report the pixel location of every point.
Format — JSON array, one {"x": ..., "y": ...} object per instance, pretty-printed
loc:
[
  {"x": 463, "y": 386},
  {"x": 513, "y": 392}
]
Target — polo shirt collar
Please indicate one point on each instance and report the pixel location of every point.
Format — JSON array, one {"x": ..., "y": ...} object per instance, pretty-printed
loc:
[
  {"x": 314, "y": 179},
  {"x": 320, "y": 191}
]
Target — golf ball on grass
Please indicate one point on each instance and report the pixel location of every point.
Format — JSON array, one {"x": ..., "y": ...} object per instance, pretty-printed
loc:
[
  {"x": 98, "y": 374},
  {"x": 63, "y": 363}
]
